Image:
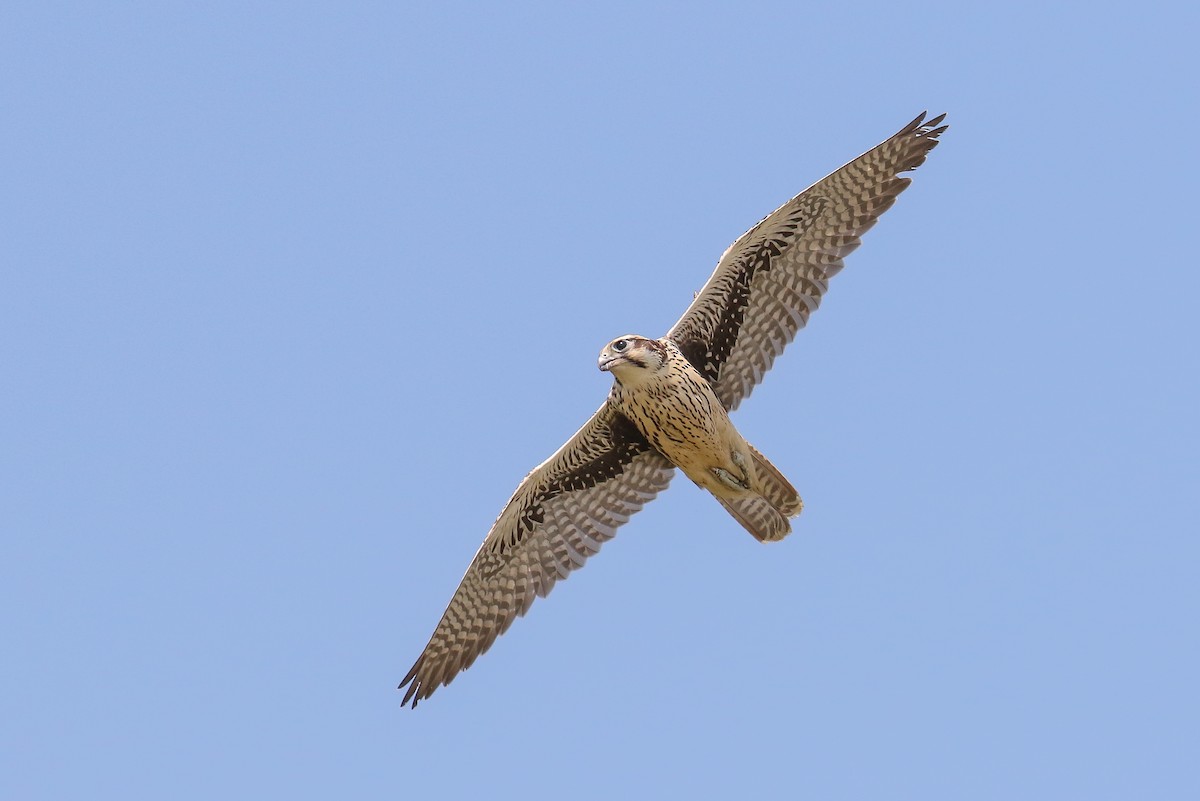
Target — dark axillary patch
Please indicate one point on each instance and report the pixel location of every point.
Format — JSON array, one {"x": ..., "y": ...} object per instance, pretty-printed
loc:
[
  {"x": 626, "y": 444},
  {"x": 710, "y": 356}
]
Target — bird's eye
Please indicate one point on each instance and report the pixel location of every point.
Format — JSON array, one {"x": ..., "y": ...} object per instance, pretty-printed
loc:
[{"x": 620, "y": 345}]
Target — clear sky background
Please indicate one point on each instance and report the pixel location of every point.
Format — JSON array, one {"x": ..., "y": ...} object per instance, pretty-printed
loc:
[{"x": 293, "y": 295}]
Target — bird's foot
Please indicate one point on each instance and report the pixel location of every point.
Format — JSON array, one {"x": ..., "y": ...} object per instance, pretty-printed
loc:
[
  {"x": 742, "y": 467},
  {"x": 730, "y": 480}
]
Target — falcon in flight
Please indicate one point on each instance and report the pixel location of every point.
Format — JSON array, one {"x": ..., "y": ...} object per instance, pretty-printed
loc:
[{"x": 669, "y": 407}]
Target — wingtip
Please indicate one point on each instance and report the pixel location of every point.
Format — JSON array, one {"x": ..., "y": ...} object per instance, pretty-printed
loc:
[
  {"x": 932, "y": 129},
  {"x": 920, "y": 136},
  {"x": 413, "y": 692},
  {"x": 923, "y": 128}
]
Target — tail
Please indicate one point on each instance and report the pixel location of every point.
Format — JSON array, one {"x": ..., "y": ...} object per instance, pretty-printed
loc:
[
  {"x": 764, "y": 511},
  {"x": 758, "y": 516},
  {"x": 774, "y": 487}
]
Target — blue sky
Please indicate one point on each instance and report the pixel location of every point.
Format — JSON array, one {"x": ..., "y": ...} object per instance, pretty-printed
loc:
[{"x": 293, "y": 295}]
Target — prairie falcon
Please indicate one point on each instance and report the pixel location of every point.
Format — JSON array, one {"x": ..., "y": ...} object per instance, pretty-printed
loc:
[{"x": 669, "y": 407}]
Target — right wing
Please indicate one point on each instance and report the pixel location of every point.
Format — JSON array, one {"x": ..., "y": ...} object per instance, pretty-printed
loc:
[{"x": 559, "y": 516}]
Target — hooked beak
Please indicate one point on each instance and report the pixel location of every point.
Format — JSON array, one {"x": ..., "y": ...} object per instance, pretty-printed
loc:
[{"x": 607, "y": 361}]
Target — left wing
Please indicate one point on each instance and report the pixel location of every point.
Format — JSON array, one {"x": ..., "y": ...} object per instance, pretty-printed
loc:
[
  {"x": 774, "y": 275},
  {"x": 559, "y": 516}
]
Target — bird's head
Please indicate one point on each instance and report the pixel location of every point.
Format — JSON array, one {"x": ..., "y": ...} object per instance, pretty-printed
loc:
[{"x": 631, "y": 358}]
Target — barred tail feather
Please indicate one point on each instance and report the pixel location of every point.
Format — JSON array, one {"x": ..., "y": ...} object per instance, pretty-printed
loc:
[
  {"x": 758, "y": 516},
  {"x": 774, "y": 487}
]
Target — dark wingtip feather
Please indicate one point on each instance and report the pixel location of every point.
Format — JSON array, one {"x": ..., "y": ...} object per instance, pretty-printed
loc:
[
  {"x": 925, "y": 133},
  {"x": 414, "y": 686},
  {"x": 932, "y": 129}
]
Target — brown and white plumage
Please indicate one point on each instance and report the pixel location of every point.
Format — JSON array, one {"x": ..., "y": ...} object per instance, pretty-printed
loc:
[
  {"x": 559, "y": 516},
  {"x": 762, "y": 292},
  {"x": 773, "y": 277},
  {"x": 674, "y": 407}
]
